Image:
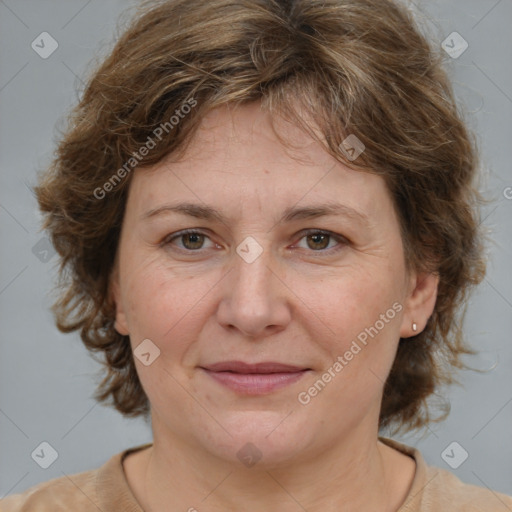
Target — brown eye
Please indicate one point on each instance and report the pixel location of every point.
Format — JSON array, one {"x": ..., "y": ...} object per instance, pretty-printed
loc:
[
  {"x": 190, "y": 240},
  {"x": 318, "y": 241}
]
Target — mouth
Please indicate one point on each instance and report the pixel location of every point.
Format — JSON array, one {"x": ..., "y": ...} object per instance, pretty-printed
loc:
[{"x": 254, "y": 379}]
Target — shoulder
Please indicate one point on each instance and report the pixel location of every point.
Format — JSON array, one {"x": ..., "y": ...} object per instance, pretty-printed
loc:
[
  {"x": 76, "y": 492},
  {"x": 435, "y": 489},
  {"x": 105, "y": 488},
  {"x": 445, "y": 490}
]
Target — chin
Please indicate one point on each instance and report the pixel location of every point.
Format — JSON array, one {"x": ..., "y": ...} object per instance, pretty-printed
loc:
[{"x": 262, "y": 439}]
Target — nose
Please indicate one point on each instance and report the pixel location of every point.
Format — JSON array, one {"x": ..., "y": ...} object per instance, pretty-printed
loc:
[{"x": 255, "y": 300}]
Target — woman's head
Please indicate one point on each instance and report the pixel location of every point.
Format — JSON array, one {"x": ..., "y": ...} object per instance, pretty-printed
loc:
[{"x": 245, "y": 108}]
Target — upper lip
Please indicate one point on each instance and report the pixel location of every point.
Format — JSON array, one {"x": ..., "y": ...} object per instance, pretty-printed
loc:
[{"x": 241, "y": 367}]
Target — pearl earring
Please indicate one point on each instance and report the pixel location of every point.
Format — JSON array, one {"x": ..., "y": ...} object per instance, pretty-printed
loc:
[{"x": 414, "y": 326}]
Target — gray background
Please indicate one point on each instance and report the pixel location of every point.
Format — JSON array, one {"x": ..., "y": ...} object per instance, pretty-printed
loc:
[{"x": 47, "y": 378}]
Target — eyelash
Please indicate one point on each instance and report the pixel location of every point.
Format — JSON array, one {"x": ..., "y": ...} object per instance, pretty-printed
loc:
[{"x": 339, "y": 238}]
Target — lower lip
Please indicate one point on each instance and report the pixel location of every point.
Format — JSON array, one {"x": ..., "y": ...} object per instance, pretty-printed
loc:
[{"x": 255, "y": 383}]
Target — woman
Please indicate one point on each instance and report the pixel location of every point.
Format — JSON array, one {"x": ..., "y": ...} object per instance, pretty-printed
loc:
[{"x": 266, "y": 215}]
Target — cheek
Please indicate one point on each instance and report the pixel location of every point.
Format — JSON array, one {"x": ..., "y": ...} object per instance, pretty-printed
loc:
[
  {"x": 360, "y": 346},
  {"x": 164, "y": 306},
  {"x": 345, "y": 307}
]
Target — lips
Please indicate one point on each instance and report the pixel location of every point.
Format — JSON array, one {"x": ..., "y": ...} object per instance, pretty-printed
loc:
[
  {"x": 262, "y": 368},
  {"x": 254, "y": 379}
]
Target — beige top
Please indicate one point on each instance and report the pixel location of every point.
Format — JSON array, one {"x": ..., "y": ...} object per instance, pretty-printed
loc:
[{"x": 106, "y": 489}]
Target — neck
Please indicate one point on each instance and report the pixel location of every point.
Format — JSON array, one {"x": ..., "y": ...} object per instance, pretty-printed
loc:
[{"x": 359, "y": 473}]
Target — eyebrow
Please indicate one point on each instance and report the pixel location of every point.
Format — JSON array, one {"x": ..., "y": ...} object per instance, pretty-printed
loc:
[{"x": 206, "y": 212}]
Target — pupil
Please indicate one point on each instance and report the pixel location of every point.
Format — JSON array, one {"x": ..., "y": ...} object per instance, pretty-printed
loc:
[
  {"x": 193, "y": 236},
  {"x": 319, "y": 236}
]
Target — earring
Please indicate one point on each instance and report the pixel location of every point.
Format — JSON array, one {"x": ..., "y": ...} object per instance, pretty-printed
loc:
[{"x": 414, "y": 326}]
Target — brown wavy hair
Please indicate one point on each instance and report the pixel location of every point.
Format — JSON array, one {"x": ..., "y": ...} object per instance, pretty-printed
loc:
[{"x": 334, "y": 68}]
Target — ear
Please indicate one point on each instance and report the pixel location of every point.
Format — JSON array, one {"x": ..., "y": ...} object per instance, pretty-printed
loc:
[
  {"x": 420, "y": 303},
  {"x": 120, "y": 325}
]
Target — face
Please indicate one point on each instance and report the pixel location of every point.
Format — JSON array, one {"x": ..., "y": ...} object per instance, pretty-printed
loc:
[{"x": 268, "y": 278}]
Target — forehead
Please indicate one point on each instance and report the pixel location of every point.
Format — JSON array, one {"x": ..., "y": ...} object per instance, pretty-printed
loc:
[{"x": 235, "y": 159}]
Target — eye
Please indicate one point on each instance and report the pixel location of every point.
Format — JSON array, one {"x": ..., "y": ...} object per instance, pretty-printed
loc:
[
  {"x": 318, "y": 241},
  {"x": 191, "y": 239}
]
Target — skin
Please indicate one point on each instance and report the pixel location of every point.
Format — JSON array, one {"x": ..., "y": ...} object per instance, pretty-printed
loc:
[{"x": 300, "y": 302}]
